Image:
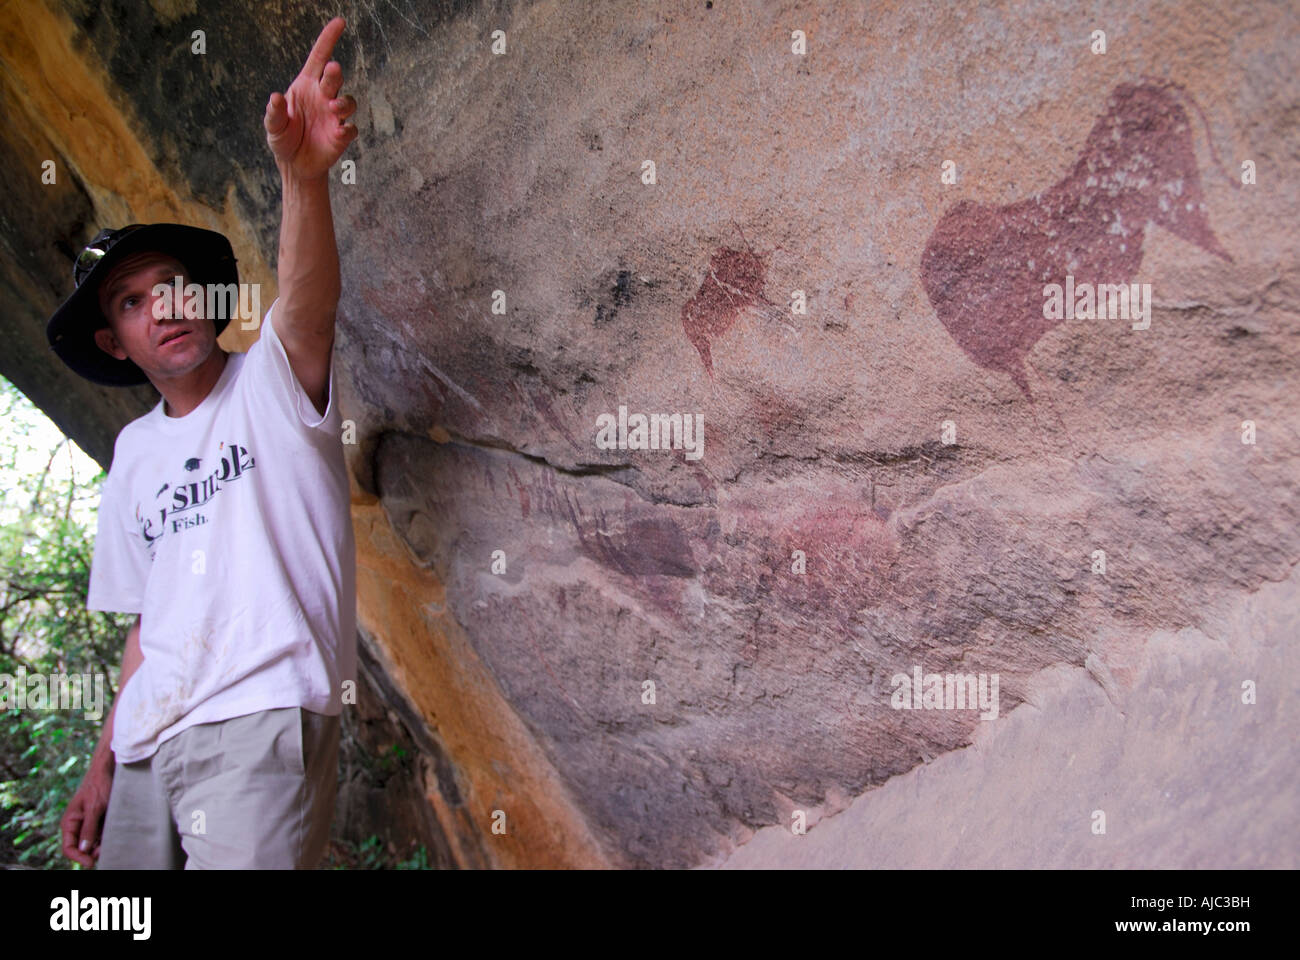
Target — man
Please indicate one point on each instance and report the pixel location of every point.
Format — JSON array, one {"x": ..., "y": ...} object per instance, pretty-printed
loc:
[{"x": 224, "y": 524}]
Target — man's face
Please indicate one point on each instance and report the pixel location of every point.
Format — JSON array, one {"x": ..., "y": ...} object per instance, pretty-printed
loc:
[{"x": 165, "y": 346}]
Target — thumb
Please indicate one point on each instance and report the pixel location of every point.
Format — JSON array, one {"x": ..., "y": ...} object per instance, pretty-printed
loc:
[
  {"x": 72, "y": 831},
  {"x": 89, "y": 834},
  {"x": 277, "y": 114}
]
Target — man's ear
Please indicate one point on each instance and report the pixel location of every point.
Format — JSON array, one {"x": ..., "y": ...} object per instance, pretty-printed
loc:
[{"x": 107, "y": 341}]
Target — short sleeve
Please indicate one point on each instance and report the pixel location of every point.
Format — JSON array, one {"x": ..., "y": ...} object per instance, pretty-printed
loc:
[
  {"x": 120, "y": 566},
  {"x": 271, "y": 377}
]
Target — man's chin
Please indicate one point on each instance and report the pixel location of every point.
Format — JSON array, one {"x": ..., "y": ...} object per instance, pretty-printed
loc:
[{"x": 187, "y": 360}]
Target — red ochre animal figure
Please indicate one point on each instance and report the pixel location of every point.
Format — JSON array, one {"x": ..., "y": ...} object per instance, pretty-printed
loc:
[
  {"x": 734, "y": 283},
  {"x": 984, "y": 267}
]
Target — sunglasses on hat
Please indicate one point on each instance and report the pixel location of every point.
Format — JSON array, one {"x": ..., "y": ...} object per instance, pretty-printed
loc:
[{"x": 94, "y": 252}]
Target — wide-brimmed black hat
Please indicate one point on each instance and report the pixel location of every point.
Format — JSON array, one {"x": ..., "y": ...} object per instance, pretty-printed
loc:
[{"x": 206, "y": 254}]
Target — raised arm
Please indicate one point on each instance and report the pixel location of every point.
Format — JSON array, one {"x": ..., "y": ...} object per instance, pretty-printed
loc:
[{"x": 307, "y": 133}]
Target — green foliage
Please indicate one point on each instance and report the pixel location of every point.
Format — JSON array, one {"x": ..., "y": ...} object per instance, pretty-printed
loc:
[
  {"x": 419, "y": 861},
  {"x": 46, "y": 539},
  {"x": 372, "y": 854},
  {"x": 391, "y": 757}
]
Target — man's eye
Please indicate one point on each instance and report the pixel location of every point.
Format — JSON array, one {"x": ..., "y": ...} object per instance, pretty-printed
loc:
[{"x": 127, "y": 300}]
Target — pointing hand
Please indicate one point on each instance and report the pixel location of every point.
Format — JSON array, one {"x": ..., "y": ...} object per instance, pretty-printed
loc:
[{"x": 305, "y": 127}]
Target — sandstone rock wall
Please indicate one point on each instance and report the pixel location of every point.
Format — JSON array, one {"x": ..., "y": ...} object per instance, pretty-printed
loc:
[{"x": 824, "y": 431}]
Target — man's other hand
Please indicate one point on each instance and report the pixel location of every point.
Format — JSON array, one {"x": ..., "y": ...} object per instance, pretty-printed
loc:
[{"x": 83, "y": 821}]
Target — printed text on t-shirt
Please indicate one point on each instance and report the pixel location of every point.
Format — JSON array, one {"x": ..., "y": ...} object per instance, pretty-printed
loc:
[{"x": 190, "y": 494}]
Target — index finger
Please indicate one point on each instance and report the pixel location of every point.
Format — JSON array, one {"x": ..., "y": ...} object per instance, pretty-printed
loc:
[{"x": 322, "y": 48}]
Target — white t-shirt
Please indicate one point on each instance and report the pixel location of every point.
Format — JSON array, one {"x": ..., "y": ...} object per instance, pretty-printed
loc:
[{"x": 229, "y": 530}]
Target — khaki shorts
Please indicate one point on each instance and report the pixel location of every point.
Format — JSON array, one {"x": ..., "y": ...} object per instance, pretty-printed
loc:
[{"x": 253, "y": 792}]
